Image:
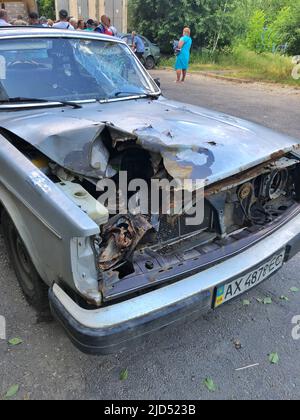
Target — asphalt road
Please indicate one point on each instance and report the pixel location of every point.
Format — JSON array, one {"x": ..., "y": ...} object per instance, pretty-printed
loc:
[{"x": 173, "y": 363}]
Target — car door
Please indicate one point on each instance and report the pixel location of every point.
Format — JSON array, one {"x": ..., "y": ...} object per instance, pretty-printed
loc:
[{"x": 147, "y": 46}]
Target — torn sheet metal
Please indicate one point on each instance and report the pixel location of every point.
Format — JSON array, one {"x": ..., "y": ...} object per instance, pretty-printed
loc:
[
  {"x": 75, "y": 144},
  {"x": 194, "y": 142},
  {"x": 120, "y": 238}
]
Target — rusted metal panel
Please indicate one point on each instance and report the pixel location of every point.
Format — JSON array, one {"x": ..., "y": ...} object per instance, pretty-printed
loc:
[
  {"x": 120, "y": 238},
  {"x": 193, "y": 264}
]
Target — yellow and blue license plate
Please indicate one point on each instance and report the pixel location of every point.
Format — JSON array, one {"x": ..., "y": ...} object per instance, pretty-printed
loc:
[{"x": 241, "y": 285}]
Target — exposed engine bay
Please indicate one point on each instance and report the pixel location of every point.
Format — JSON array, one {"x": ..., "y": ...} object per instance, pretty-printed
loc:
[{"x": 136, "y": 252}]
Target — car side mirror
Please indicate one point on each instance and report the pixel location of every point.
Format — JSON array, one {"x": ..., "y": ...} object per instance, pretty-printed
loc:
[{"x": 157, "y": 81}]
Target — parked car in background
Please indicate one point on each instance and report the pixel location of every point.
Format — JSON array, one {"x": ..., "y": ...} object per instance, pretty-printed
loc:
[{"x": 152, "y": 51}]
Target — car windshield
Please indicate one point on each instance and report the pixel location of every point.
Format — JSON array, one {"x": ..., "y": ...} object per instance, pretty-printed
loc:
[{"x": 70, "y": 69}]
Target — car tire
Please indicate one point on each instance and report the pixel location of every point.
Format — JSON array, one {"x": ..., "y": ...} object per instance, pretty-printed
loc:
[
  {"x": 150, "y": 63},
  {"x": 34, "y": 289}
]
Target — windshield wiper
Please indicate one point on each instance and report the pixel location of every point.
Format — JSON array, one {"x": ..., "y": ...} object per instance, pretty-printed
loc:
[
  {"x": 37, "y": 100},
  {"x": 145, "y": 94}
]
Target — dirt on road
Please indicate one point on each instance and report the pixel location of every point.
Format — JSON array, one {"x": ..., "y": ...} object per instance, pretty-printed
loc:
[{"x": 173, "y": 363}]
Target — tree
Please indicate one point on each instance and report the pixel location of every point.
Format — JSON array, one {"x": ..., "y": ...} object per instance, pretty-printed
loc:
[
  {"x": 163, "y": 21},
  {"x": 268, "y": 35},
  {"x": 279, "y": 29},
  {"x": 262, "y": 25},
  {"x": 292, "y": 30},
  {"x": 256, "y": 35},
  {"x": 46, "y": 8}
]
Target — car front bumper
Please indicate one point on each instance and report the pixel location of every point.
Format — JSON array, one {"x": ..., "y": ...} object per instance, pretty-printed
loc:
[{"x": 109, "y": 329}]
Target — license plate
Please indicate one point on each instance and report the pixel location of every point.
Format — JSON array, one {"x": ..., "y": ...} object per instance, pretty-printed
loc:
[{"x": 237, "y": 287}]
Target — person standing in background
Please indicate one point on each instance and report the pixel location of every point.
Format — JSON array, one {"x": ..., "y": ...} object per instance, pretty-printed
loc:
[
  {"x": 4, "y": 18},
  {"x": 20, "y": 23},
  {"x": 138, "y": 46},
  {"x": 44, "y": 21},
  {"x": 74, "y": 22},
  {"x": 103, "y": 27},
  {"x": 90, "y": 25},
  {"x": 80, "y": 25},
  {"x": 33, "y": 20},
  {"x": 63, "y": 21},
  {"x": 183, "y": 56},
  {"x": 112, "y": 28}
]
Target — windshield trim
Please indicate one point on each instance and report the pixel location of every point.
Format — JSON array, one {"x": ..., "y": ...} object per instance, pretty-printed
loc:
[
  {"x": 126, "y": 98},
  {"x": 42, "y": 104},
  {"x": 81, "y": 102},
  {"x": 95, "y": 37}
]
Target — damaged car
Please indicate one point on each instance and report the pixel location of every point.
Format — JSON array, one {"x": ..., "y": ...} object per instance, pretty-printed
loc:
[{"x": 86, "y": 140}]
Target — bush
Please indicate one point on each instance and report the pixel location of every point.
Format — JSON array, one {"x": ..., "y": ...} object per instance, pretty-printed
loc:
[
  {"x": 242, "y": 62},
  {"x": 264, "y": 35},
  {"x": 46, "y": 8},
  {"x": 271, "y": 66},
  {"x": 162, "y": 21},
  {"x": 255, "y": 39}
]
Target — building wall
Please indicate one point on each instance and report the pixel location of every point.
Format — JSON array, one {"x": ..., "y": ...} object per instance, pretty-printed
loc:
[
  {"x": 94, "y": 9},
  {"x": 18, "y": 8},
  {"x": 114, "y": 9}
]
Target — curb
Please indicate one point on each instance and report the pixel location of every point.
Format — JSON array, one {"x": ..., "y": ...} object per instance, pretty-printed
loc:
[
  {"x": 235, "y": 79},
  {"x": 216, "y": 76},
  {"x": 229, "y": 79}
]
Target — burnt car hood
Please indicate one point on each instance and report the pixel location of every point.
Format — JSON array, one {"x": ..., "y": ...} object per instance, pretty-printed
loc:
[{"x": 195, "y": 143}]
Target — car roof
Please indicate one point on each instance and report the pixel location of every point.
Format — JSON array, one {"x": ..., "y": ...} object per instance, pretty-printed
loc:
[
  {"x": 31, "y": 31},
  {"x": 143, "y": 36}
]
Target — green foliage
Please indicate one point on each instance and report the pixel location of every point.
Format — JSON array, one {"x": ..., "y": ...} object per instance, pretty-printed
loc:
[
  {"x": 266, "y": 35},
  {"x": 260, "y": 25},
  {"x": 163, "y": 21},
  {"x": 294, "y": 43},
  {"x": 278, "y": 30},
  {"x": 255, "y": 39},
  {"x": 242, "y": 63},
  {"x": 46, "y": 8}
]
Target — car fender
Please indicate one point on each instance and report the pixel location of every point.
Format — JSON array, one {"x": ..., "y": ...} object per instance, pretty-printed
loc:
[{"x": 45, "y": 218}]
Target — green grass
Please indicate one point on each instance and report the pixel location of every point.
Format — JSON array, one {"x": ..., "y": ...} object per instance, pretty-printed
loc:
[{"x": 242, "y": 63}]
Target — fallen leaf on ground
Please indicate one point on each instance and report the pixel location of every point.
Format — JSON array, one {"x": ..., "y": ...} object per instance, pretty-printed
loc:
[
  {"x": 237, "y": 344},
  {"x": 15, "y": 341},
  {"x": 12, "y": 391},
  {"x": 210, "y": 385},
  {"x": 124, "y": 375},
  {"x": 274, "y": 358},
  {"x": 267, "y": 301}
]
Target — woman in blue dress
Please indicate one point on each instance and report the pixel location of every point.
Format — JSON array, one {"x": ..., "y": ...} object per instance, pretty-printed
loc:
[{"x": 183, "y": 57}]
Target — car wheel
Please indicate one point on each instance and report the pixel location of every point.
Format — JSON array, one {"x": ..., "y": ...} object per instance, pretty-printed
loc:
[
  {"x": 150, "y": 63},
  {"x": 34, "y": 289}
]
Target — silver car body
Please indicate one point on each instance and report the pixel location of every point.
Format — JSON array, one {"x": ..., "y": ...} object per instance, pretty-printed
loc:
[{"x": 48, "y": 220}]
